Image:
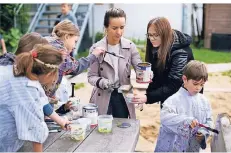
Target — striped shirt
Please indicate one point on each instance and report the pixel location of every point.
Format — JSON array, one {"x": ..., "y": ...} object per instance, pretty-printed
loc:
[{"x": 21, "y": 115}]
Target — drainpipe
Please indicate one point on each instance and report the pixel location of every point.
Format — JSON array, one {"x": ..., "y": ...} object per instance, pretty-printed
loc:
[{"x": 93, "y": 23}]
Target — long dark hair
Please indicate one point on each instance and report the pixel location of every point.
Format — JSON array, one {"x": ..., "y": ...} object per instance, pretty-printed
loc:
[{"x": 164, "y": 30}]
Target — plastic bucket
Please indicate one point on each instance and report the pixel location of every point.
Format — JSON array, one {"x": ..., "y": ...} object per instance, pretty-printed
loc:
[{"x": 105, "y": 123}]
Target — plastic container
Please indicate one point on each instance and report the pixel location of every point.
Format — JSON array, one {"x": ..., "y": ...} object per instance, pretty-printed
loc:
[
  {"x": 75, "y": 103},
  {"x": 129, "y": 97},
  {"x": 78, "y": 131},
  {"x": 105, "y": 123},
  {"x": 85, "y": 121}
]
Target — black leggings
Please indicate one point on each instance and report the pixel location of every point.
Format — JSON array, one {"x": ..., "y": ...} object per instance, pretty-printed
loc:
[{"x": 117, "y": 106}]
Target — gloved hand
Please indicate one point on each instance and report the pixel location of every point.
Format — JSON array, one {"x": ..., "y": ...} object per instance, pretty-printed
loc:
[{"x": 106, "y": 84}]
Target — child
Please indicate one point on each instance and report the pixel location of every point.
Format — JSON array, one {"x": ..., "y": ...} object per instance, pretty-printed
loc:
[
  {"x": 2, "y": 42},
  {"x": 182, "y": 113},
  {"x": 27, "y": 43},
  {"x": 64, "y": 37},
  {"x": 22, "y": 98}
]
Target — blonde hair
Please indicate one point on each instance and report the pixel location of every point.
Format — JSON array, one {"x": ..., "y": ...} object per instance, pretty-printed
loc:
[
  {"x": 43, "y": 59},
  {"x": 65, "y": 28},
  {"x": 196, "y": 70},
  {"x": 164, "y": 30}
]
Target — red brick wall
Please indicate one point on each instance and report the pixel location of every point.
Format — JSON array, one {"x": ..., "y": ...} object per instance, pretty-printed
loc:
[{"x": 217, "y": 20}]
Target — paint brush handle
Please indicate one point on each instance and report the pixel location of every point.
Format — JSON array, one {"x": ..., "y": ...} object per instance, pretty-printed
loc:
[
  {"x": 209, "y": 128},
  {"x": 114, "y": 54},
  {"x": 73, "y": 90}
]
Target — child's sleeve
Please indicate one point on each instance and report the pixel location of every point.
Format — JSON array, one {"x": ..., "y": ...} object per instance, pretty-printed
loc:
[
  {"x": 75, "y": 67},
  {"x": 171, "y": 120},
  {"x": 209, "y": 121},
  {"x": 26, "y": 107}
]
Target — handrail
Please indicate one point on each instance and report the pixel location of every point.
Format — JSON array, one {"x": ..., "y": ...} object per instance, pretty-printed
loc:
[
  {"x": 74, "y": 8},
  {"x": 16, "y": 13},
  {"x": 82, "y": 30},
  {"x": 35, "y": 18}
]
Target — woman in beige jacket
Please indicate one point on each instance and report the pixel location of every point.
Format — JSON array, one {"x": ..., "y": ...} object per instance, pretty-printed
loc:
[{"x": 109, "y": 72}]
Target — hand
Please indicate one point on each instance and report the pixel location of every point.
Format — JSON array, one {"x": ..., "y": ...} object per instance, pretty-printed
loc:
[
  {"x": 98, "y": 51},
  {"x": 199, "y": 137},
  {"x": 139, "y": 99},
  {"x": 65, "y": 124},
  {"x": 53, "y": 100},
  {"x": 106, "y": 84},
  {"x": 194, "y": 123},
  {"x": 68, "y": 105}
]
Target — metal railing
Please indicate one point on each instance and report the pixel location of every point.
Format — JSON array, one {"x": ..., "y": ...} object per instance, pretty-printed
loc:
[
  {"x": 16, "y": 11},
  {"x": 36, "y": 18},
  {"x": 82, "y": 30}
]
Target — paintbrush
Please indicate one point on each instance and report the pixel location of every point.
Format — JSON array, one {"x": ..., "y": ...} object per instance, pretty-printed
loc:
[
  {"x": 114, "y": 54},
  {"x": 209, "y": 128}
]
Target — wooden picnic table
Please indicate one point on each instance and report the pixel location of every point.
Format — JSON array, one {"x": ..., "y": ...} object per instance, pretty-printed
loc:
[{"x": 120, "y": 140}]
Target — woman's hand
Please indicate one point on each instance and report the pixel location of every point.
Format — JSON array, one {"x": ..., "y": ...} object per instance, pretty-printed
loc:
[
  {"x": 97, "y": 51},
  {"x": 139, "y": 99}
]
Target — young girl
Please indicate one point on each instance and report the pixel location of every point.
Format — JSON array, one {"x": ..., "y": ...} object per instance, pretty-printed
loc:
[
  {"x": 27, "y": 43},
  {"x": 22, "y": 97},
  {"x": 64, "y": 37}
]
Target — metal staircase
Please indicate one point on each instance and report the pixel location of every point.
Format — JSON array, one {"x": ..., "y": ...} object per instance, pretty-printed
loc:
[{"x": 46, "y": 16}]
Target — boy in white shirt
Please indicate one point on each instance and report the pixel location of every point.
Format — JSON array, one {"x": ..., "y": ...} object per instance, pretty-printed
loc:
[{"x": 182, "y": 113}]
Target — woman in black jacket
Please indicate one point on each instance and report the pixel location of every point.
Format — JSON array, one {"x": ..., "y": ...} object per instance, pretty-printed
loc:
[{"x": 168, "y": 51}]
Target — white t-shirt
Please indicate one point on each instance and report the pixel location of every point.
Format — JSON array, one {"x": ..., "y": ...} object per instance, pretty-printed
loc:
[{"x": 115, "y": 61}]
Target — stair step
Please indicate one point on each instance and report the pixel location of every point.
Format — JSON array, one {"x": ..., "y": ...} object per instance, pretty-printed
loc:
[
  {"x": 43, "y": 27},
  {"x": 54, "y": 5},
  {"x": 51, "y": 12},
  {"x": 49, "y": 19},
  {"x": 45, "y": 34}
]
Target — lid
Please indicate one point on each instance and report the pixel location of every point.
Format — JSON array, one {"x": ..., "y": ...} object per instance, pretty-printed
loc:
[{"x": 123, "y": 125}]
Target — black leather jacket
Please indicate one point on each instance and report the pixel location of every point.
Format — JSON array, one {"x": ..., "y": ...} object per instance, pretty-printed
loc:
[{"x": 170, "y": 80}]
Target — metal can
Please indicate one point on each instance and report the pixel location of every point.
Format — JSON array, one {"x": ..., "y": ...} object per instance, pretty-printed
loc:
[
  {"x": 91, "y": 111},
  {"x": 143, "y": 72}
]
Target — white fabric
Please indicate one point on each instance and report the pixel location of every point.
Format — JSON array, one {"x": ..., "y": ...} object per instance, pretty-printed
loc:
[{"x": 115, "y": 49}]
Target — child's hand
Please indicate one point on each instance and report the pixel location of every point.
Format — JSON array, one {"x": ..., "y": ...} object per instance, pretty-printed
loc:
[
  {"x": 98, "y": 51},
  {"x": 65, "y": 125},
  {"x": 68, "y": 105},
  {"x": 194, "y": 123},
  {"x": 199, "y": 137},
  {"x": 201, "y": 140}
]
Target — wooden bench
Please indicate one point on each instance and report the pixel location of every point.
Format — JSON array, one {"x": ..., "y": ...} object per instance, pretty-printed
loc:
[{"x": 120, "y": 140}]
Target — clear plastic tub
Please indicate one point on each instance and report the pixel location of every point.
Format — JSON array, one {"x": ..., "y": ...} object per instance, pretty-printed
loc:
[
  {"x": 85, "y": 121},
  {"x": 105, "y": 123},
  {"x": 78, "y": 131}
]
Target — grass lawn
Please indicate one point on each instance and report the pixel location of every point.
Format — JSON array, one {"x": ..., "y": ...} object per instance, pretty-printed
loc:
[
  {"x": 202, "y": 54},
  {"x": 210, "y": 56}
]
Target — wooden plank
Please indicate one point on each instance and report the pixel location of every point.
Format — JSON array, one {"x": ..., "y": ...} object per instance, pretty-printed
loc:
[
  {"x": 120, "y": 140},
  {"x": 65, "y": 143},
  {"x": 27, "y": 147}
]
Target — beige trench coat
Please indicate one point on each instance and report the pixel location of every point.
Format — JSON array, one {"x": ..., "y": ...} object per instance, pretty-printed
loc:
[{"x": 103, "y": 68}]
